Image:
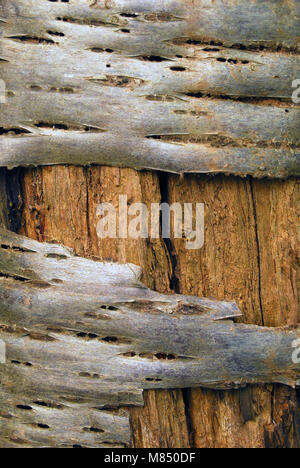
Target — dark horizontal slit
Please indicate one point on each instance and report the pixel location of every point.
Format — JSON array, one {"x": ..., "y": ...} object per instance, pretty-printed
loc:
[
  {"x": 46, "y": 404},
  {"x": 32, "y": 39},
  {"x": 50, "y": 126},
  {"x": 15, "y": 248},
  {"x": 153, "y": 58},
  {"x": 154, "y": 137},
  {"x": 129, "y": 15},
  {"x": 24, "y": 407},
  {"x": 108, "y": 307},
  {"x": 13, "y": 131},
  {"x": 89, "y": 375},
  {"x": 257, "y": 100},
  {"x": 94, "y": 429},
  {"x": 15, "y": 277},
  {"x": 211, "y": 49},
  {"x": 56, "y": 33},
  {"x": 178, "y": 69},
  {"x": 35, "y": 88},
  {"x": 257, "y": 47},
  {"x": 220, "y": 141},
  {"x": 72, "y": 127},
  {"x": 169, "y": 357},
  {"x": 110, "y": 339},
  {"x": 100, "y": 50},
  {"x": 92, "y": 336},
  {"x": 193, "y": 42},
  {"x": 43, "y": 426},
  {"x": 130, "y": 354},
  {"x": 27, "y": 364},
  {"x": 232, "y": 61}
]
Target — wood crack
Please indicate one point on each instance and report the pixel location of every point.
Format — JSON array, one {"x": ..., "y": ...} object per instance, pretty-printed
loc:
[{"x": 258, "y": 252}]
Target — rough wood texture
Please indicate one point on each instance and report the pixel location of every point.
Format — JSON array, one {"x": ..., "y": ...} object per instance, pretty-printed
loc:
[
  {"x": 56, "y": 196},
  {"x": 54, "y": 199},
  {"x": 90, "y": 332},
  {"x": 251, "y": 254},
  {"x": 214, "y": 80}
]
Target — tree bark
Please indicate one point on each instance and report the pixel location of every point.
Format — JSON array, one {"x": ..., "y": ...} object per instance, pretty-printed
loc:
[
  {"x": 233, "y": 264},
  {"x": 251, "y": 252},
  {"x": 186, "y": 66}
]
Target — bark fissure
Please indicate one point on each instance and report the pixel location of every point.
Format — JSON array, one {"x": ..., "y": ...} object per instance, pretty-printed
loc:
[
  {"x": 258, "y": 253},
  {"x": 171, "y": 249}
]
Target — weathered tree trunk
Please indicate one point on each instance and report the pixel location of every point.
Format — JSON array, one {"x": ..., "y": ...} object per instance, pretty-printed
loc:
[
  {"x": 83, "y": 336},
  {"x": 155, "y": 85},
  {"x": 210, "y": 113},
  {"x": 233, "y": 264}
]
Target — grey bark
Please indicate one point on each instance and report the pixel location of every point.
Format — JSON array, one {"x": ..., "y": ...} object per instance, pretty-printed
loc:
[
  {"x": 178, "y": 86},
  {"x": 83, "y": 337}
]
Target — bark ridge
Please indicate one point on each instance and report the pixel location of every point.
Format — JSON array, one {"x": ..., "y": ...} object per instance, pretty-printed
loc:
[
  {"x": 84, "y": 338},
  {"x": 172, "y": 86}
]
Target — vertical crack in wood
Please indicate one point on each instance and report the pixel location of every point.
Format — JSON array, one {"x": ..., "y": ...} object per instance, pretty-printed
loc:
[
  {"x": 258, "y": 251},
  {"x": 170, "y": 246}
]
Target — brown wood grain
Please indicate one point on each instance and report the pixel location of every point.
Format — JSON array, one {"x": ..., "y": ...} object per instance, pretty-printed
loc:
[
  {"x": 240, "y": 215},
  {"x": 53, "y": 198},
  {"x": 251, "y": 255}
]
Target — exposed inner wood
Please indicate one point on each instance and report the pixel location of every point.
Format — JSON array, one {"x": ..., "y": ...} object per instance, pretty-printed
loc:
[
  {"x": 82, "y": 331},
  {"x": 59, "y": 204}
]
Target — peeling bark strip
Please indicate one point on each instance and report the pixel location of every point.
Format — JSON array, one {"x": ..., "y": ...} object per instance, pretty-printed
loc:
[
  {"x": 83, "y": 337},
  {"x": 178, "y": 86}
]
